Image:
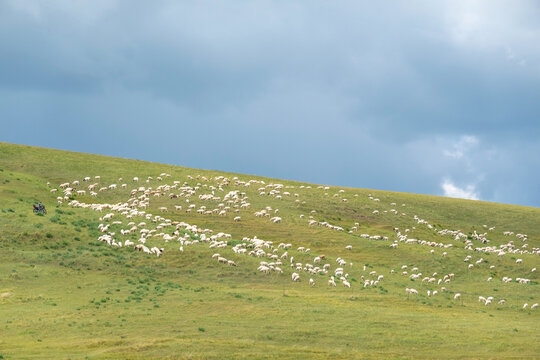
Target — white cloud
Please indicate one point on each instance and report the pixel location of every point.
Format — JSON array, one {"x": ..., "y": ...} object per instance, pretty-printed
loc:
[
  {"x": 461, "y": 147},
  {"x": 451, "y": 190}
]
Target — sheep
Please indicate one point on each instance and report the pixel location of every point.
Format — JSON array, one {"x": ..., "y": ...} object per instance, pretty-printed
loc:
[
  {"x": 457, "y": 296},
  {"x": 295, "y": 277},
  {"x": 141, "y": 247},
  {"x": 534, "y": 306},
  {"x": 411, "y": 291},
  {"x": 311, "y": 282},
  {"x": 157, "y": 250},
  {"x": 237, "y": 219}
]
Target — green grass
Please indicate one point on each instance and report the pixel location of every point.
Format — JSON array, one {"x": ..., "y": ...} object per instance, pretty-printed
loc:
[{"x": 63, "y": 294}]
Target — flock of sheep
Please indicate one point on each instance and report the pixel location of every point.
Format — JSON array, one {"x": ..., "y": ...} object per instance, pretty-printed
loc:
[{"x": 215, "y": 197}]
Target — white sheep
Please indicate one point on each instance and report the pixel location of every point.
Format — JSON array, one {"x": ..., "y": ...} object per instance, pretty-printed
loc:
[{"x": 331, "y": 281}]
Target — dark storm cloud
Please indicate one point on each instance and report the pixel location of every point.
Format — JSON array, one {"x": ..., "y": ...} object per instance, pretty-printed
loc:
[{"x": 407, "y": 96}]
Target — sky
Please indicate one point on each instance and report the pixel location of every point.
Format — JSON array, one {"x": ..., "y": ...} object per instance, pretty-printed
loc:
[{"x": 430, "y": 97}]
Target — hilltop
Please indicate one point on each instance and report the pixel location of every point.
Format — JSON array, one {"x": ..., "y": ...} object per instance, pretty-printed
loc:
[{"x": 213, "y": 277}]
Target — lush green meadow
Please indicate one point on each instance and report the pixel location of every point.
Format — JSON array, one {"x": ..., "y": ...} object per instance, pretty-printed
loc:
[{"x": 64, "y": 294}]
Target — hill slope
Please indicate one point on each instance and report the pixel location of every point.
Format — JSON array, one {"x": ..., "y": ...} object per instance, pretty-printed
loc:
[{"x": 68, "y": 290}]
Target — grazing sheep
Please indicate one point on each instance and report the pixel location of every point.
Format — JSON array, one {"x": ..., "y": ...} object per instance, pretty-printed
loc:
[
  {"x": 275, "y": 219},
  {"x": 411, "y": 291}
]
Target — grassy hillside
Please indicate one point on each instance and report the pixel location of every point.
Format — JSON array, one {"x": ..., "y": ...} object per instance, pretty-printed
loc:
[{"x": 66, "y": 294}]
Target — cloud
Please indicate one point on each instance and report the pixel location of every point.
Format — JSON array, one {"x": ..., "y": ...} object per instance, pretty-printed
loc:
[
  {"x": 461, "y": 147},
  {"x": 451, "y": 190}
]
